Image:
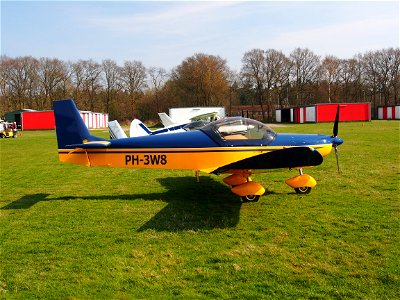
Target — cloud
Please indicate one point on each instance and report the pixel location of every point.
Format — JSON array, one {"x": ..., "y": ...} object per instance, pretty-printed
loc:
[
  {"x": 179, "y": 18},
  {"x": 342, "y": 39}
]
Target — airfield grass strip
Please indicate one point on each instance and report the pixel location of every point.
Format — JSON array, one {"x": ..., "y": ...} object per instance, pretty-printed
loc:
[{"x": 72, "y": 232}]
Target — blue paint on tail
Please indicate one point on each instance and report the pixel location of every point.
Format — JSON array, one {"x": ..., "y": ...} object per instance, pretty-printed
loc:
[{"x": 70, "y": 128}]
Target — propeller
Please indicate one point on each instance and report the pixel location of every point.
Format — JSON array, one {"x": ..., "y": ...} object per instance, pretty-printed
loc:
[
  {"x": 335, "y": 140},
  {"x": 336, "y": 125}
]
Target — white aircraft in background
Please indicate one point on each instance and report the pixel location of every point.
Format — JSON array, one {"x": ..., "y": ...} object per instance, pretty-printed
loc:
[{"x": 138, "y": 128}]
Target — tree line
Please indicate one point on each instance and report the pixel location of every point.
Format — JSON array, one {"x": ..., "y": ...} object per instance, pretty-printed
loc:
[{"x": 267, "y": 79}]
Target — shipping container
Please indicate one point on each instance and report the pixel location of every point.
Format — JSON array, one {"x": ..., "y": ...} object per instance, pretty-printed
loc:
[
  {"x": 41, "y": 120},
  {"x": 325, "y": 112},
  {"x": 389, "y": 112}
]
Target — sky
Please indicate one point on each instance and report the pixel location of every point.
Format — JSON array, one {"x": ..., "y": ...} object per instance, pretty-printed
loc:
[{"x": 164, "y": 33}]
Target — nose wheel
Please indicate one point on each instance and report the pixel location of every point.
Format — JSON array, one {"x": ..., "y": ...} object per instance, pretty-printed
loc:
[
  {"x": 250, "y": 198},
  {"x": 303, "y": 190}
]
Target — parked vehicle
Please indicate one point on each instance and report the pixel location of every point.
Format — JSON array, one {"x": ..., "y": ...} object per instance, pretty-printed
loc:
[{"x": 8, "y": 130}]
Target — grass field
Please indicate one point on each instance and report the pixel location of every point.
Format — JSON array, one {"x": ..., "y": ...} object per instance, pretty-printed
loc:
[{"x": 71, "y": 232}]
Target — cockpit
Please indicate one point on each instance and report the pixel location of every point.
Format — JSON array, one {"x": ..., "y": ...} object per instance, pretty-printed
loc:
[{"x": 240, "y": 129}]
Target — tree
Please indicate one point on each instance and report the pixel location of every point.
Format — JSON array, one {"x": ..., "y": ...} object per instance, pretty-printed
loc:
[
  {"x": 158, "y": 78},
  {"x": 253, "y": 73},
  {"x": 51, "y": 75},
  {"x": 91, "y": 81},
  {"x": 133, "y": 79},
  {"x": 5, "y": 89},
  {"x": 276, "y": 70},
  {"x": 111, "y": 77},
  {"x": 201, "y": 80},
  {"x": 395, "y": 74},
  {"x": 267, "y": 73},
  {"x": 76, "y": 71},
  {"x": 330, "y": 68},
  {"x": 304, "y": 72},
  {"x": 22, "y": 83}
]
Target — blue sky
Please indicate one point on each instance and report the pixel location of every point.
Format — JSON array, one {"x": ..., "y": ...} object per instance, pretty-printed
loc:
[{"x": 163, "y": 33}]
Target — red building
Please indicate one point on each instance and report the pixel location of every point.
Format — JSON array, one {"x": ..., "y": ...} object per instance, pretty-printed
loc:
[
  {"x": 325, "y": 112},
  {"x": 37, "y": 120},
  {"x": 40, "y": 120}
]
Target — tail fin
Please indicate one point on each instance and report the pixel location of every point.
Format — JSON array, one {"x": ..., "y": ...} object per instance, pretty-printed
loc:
[
  {"x": 138, "y": 129},
  {"x": 70, "y": 128},
  {"x": 166, "y": 120}
]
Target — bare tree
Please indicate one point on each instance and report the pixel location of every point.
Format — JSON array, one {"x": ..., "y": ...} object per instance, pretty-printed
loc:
[
  {"x": 91, "y": 81},
  {"x": 253, "y": 73},
  {"x": 387, "y": 63},
  {"x": 233, "y": 81},
  {"x": 158, "y": 78},
  {"x": 370, "y": 65},
  {"x": 395, "y": 74},
  {"x": 275, "y": 68},
  {"x": 304, "y": 71},
  {"x": 283, "y": 68},
  {"x": 76, "y": 69},
  {"x": 5, "y": 89},
  {"x": 51, "y": 75},
  {"x": 133, "y": 78},
  {"x": 330, "y": 68},
  {"x": 21, "y": 74},
  {"x": 111, "y": 72}
]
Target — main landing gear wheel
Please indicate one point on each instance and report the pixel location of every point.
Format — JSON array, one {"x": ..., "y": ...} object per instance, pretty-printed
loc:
[
  {"x": 250, "y": 198},
  {"x": 303, "y": 190}
]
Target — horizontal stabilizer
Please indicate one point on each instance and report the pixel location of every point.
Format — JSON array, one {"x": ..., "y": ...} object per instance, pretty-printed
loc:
[
  {"x": 293, "y": 157},
  {"x": 90, "y": 145},
  {"x": 166, "y": 120}
]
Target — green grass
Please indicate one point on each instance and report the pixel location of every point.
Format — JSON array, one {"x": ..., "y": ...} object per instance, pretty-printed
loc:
[{"x": 71, "y": 232}]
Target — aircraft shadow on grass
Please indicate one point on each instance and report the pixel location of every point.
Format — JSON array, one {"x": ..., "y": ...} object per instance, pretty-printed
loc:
[
  {"x": 191, "y": 205},
  {"x": 27, "y": 201}
]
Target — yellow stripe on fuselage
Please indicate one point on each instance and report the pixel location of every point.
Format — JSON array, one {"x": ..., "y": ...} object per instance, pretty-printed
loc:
[{"x": 203, "y": 159}]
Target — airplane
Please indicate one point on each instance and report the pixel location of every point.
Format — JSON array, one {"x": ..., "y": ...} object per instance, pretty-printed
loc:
[
  {"x": 138, "y": 128},
  {"x": 167, "y": 121},
  {"x": 236, "y": 146}
]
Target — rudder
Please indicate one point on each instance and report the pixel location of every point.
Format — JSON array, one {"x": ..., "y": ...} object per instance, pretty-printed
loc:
[
  {"x": 70, "y": 128},
  {"x": 137, "y": 129}
]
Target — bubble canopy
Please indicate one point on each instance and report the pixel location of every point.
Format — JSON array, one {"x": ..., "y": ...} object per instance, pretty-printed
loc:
[{"x": 240, "y": 129}]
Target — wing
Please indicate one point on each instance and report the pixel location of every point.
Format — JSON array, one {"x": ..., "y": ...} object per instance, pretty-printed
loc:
[{"x": 293, "y": 157}]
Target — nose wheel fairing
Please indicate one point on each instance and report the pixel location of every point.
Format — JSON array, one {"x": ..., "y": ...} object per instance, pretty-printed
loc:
[
  {"x": 301, "y": 182},
  {"x": 243, "y": 186}
]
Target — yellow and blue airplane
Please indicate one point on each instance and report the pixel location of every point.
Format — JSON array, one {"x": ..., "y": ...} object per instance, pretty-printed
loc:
[{"x": 237, "y": 146}]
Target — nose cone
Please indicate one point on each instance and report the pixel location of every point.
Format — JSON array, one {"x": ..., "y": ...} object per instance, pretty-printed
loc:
[{"x": 336, "y": 141}]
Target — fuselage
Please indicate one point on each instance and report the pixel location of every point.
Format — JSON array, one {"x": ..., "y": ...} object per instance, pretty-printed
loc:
[{"x": 215, "y": 145}]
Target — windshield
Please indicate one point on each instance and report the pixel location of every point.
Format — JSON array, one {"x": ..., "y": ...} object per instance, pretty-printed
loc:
[
  {"x": 238, "y": 128},
  {"x": 195, "y": 125}
]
